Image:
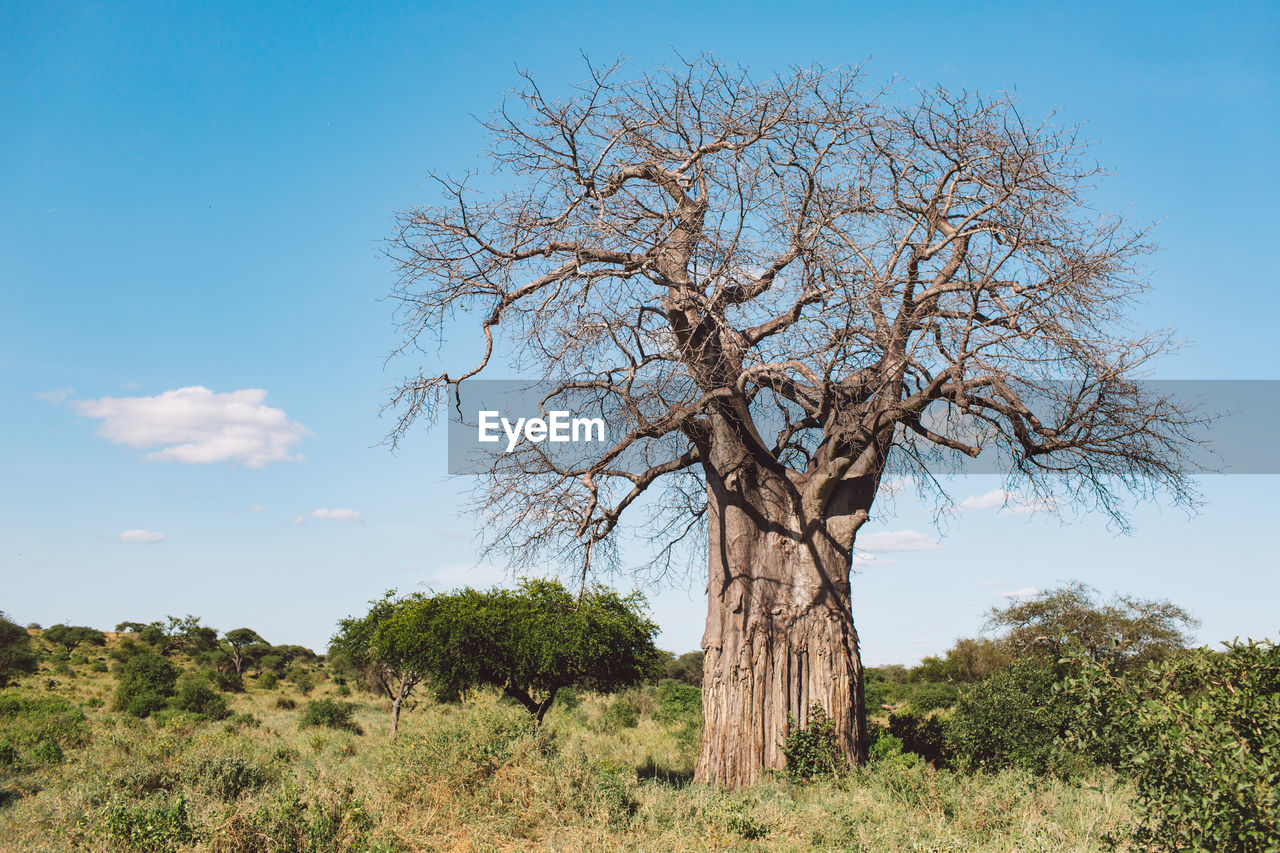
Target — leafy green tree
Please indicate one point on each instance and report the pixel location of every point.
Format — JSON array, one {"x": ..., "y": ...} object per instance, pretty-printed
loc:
[
  {"x": 967, "y": 661},
  {"x": 16, "y": 656},
  {"x": 386, "y": 645},
  {"x": 239, "y": 647},
  {"x": 71, "y": 636},
  {"x": 174, "y": 634},
  {"x": 1126, "y": 631},
  {"x": 536, "y": 639},
  {"x": 530, "y": 642},
  {"x": 687, "y": 667}
]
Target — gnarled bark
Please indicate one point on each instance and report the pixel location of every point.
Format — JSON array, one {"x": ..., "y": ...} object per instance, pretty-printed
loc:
[{"x": 780, "y": 634}]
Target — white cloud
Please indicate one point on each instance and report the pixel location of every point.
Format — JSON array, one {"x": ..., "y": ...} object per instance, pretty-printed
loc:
[
  {"x": 465, "y": 574},
  {"x": 896, "y": 540},
  {"x": 1024, "y": 593},
  {"x": 56, "y": 396},
  {"x": 143, "y": 536},
  {"x": 297, "y": 519},
  {"x": 1008, "y": 503},
  {"x": 344, "y": 515},
  {"x": 197, "y": 426},
  {"x": 257, "y": 508}
]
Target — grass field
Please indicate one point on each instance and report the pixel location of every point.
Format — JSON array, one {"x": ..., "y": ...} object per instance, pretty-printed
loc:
[{"x": 605, "y": 773}]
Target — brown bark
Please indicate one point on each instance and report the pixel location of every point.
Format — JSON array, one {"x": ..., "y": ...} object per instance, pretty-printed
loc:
[{"x": 780, "y": 633}]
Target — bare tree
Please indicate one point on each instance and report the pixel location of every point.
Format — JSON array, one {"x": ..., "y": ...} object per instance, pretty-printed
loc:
[{"x": 786, "y": 290}]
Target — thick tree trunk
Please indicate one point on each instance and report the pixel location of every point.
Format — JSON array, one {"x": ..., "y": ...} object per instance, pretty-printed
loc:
[{"x": 780, "y": 634}]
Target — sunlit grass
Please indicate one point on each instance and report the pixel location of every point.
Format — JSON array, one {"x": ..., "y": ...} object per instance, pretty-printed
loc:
[{"x": 475, "y": 777}]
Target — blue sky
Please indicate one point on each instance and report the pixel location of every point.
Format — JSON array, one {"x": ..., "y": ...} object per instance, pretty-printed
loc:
[{"x": 195, "y": 197}]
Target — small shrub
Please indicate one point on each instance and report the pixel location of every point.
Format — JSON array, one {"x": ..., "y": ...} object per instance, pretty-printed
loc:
[
  {"x": 330, "y": 714},
  {"x": 920, "y": 735},
  {"x": 227, "y": 682},
  {"x": 227, "y": 777},
  {"x": 678, "y": 701},
  {"x": 337, "y": 821},
  {"x": 812, "y": 750},
  {"x": 145, "y": 778},
  {"x": 888, "y": 748},
  {"x": 94, "y": 702},
  {"x": 152, "y": 828},
  {"x": 245, "y": 720},
  {"x": 739, "y": 817},
  {"x": 8, "y": 754},
  {"x": 284, "y": 703},
  {"x": 48, "y": 752},
  {"x": 197, "y": 694},
  {"x": 302, "y": 679},
  {"x": 98, "y": 666},
  {"x": 28, "y": 720},
  {"x": 268, "y": 680},
  {"x": 622, "y": 713}
]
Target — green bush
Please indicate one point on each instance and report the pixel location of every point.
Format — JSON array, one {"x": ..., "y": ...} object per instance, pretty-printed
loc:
[
  {"x": 284, "y": 703},
  {"x": 1012, "y": 718},
  {"x": 338, "y": 821},
  {"x": 29, "y": 720},
  {"x": 268, "y": 680},
  {"x": 678, "y": 701},
  {"x": 8, "y": 755},
  {"x": 48, "y": 752},
  {"x": 1201, "y": 735},
  {"x": 302, "y": 679},
  {"x": 157, "y": 828},
  {"x": 227, "y": 777},
  {"x": 330, "y": 714},
  {"x": 622, "y": 713},
  {"x": 145, "y": 682},
  {"x": 811, "y": 750},
  {"x": 98, "y": 666},
  {"x": 922, "y": 736},
  {"x": 927, "y": 696},
  {"x": 888, "y": 748},
  {"x": 196, "y": 693}
]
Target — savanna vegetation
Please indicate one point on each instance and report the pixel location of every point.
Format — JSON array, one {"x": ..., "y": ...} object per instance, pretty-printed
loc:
[{"x": 1074, "y": 724}]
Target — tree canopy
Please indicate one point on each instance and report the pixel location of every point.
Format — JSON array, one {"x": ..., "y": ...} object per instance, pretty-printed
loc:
[
  {"x": 71, "y": 636},
  {"x": 1124, "y": 631},
  {"x": 530, "y": 642}
]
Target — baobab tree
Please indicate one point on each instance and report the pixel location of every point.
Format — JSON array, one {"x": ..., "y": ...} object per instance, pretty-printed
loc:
[{"x": 785, "y": 291}]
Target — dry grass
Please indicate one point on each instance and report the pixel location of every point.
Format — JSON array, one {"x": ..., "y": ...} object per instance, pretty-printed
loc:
[{"x": 473, "y": 777}]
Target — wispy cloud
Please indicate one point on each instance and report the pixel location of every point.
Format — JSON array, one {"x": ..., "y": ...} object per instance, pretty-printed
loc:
[
  {"x": 343, "y": 515},
  {"x": 1024, "y": 593},
  {"x": 56, "y": 396},
  {"x": 896, "y": 540},
  {"x": 1007, "y": 502},
  {"x": 140, "y": 536},
  {"x": 197, "y": 426}
]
